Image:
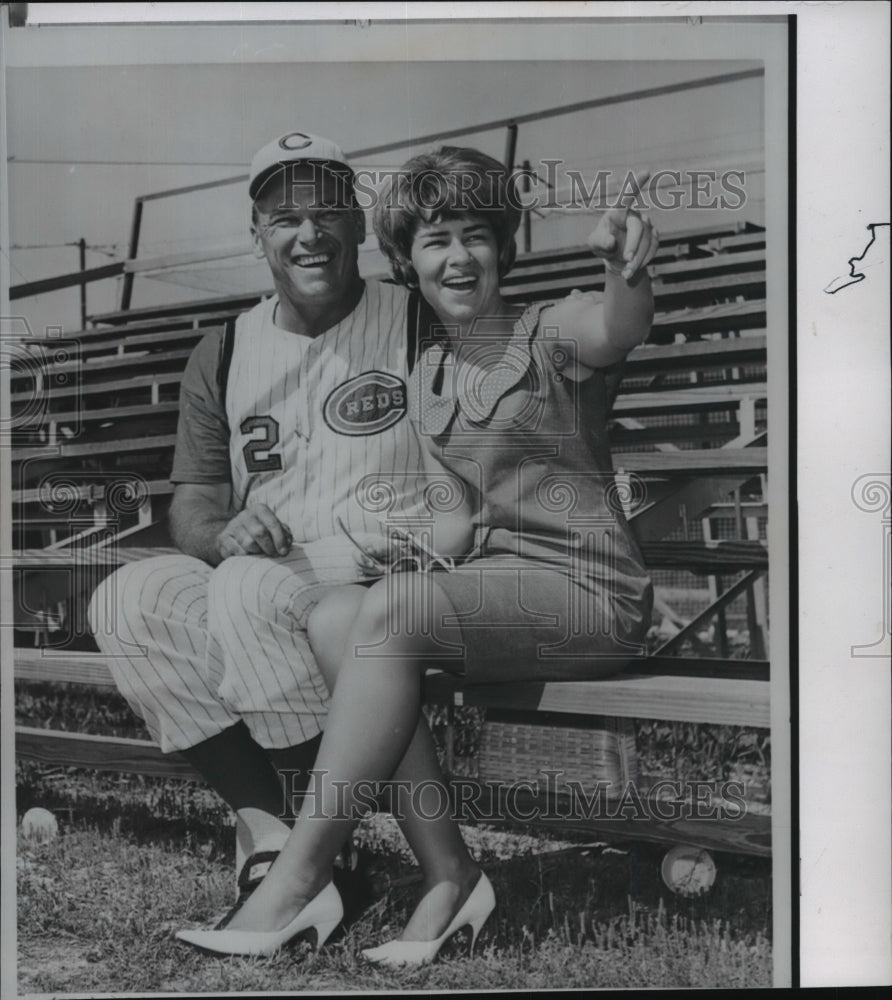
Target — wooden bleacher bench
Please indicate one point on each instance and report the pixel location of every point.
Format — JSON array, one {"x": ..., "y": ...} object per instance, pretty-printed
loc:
[
  {"x": 705, "y": 359},
  {"x": 132, "y": 362},
  {"x": 100, "y": 337},
  {"x": 724, "y": 699},
  {"x": 148, "y": 442},
  {"x": 729, "y": 554},
  {"x": 731, "y": 244},
  {"x": 649, "y": 359}
]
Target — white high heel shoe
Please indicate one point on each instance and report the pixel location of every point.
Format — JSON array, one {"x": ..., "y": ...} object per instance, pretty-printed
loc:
[
  {"x": 323, "y": 913},
  {"x": 477, "y": 907}
]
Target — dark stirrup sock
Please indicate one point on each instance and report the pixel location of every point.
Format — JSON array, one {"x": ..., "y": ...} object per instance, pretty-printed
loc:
[
  {"x": 294, "y": 765},
  {"x": 238, "y": 769}
]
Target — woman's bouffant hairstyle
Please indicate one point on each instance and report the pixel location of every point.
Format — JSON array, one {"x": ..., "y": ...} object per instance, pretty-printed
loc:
[{"x": 448, "y": 183}]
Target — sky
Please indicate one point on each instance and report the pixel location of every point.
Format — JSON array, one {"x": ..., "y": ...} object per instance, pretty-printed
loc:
[{"x": 99, "y": 114}]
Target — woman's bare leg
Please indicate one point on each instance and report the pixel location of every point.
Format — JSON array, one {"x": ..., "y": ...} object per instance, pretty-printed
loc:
[
  {"x": 426, "y": 822},
  {"x": 373, "y": 721}
]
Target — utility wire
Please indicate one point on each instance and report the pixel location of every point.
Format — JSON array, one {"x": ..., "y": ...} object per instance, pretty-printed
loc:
[
  {"x": 42, "y": 246},
  {"x": 122, "y": 163}
]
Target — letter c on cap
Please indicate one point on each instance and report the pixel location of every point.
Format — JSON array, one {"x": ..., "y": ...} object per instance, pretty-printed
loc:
[{"x": 295, "y": 140}]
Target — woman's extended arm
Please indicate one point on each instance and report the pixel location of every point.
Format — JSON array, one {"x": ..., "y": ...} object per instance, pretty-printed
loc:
[{"x": 607, "y": 328}]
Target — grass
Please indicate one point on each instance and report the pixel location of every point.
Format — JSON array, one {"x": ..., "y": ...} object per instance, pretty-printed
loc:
[
  {"x": 97, "y": 911},
  {"x": 138, "y": 858}
]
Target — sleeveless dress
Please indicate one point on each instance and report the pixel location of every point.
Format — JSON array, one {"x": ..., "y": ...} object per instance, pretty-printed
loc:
[{"x": 555, "y": 587}]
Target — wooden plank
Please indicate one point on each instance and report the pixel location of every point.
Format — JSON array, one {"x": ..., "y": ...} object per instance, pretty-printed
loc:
[
  {"x": 696, "y": 355},
  {"x": 238, "y": 303},
  {"x": 666, "y": 296},
  {"x": 120, "y": 360},
  {"x": 117, "y": 555},
  {"x": 533, "y": 286},
  {"x": 716, "y": 264},
  {"x": 127, "y": 344},
  {"x": 715, "y": 460},
  {"x": 636, "y": 816},
  {"x": 662, "y": 400},
  {"x": 728, "y": 556},
  {"x": 53, "y": 747},
  {"x": 102, "y": 388},
  {"x": 92, "y": 669},
  {"x": 114, "y": 414},
  {"x": 118, "y": 333},
  {"x": 63, "y": 667},
  {"x": 678, "y": 697},
  {"x": 88, "y": 491},
  {"x": 695, "y": 460},
  {"x": 699, "y": 354},
  {"x": 704, "y": 666},
  {"x": 575, "y": 260},
  {"x": 225, "y": 303},
  {"x": 678, "y": 400},
  {"x": 61, "y": 451},
  {"x": 688, "y": 398},
  {"x": 712, "y": 318},
  {"x": 636, "y": 696},
  {"x": 691, "y": 235},
  {"x": 707, "y": 435},
  {"x": 723, "y": 244},
  {"x": 114, "y": 367},
  {"x": 751, "y": 285}
]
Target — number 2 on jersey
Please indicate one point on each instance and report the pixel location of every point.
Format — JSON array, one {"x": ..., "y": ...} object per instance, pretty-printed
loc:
[{"x": 257, "y": 450}]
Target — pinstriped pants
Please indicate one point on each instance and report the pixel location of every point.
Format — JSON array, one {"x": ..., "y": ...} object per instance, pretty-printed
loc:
[{"x": 195, "y": 648}]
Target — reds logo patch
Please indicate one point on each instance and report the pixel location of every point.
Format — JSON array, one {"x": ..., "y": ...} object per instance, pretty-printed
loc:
[{"x": 367, "y": 404}]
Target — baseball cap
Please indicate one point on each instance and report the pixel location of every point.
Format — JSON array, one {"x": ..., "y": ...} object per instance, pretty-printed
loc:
[{"x": 294, "y": 147}]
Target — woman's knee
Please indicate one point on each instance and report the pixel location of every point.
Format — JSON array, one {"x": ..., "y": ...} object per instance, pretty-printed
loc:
[
  {"x": 328, "y": 625},
  {"x": 397, "y": 617}
]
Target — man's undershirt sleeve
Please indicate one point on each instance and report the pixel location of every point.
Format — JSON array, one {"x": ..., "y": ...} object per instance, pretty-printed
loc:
[{"x": 202, "y": 448}]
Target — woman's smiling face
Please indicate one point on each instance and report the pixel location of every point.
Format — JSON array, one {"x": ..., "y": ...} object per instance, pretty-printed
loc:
[{"x": 457, "y": 263}]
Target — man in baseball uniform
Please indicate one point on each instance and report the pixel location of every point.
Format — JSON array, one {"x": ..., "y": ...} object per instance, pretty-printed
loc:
[{"x": 292, "y": 424}]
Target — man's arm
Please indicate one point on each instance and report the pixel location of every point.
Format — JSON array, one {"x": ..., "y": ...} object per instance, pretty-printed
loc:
[
  {"x": 202, "y": 521},
  {"x": 203, "y": 525},
  {"x": 198, "y": 513}
]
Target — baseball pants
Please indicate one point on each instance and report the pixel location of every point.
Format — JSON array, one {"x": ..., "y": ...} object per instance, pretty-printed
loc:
[{"x": 195, "y": 648}]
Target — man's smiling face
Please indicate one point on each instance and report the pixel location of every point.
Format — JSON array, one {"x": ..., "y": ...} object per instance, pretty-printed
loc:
[{"x": 309, "y": 235}]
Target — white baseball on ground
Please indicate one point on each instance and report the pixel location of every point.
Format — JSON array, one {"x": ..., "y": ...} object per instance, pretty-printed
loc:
[
  {"x": 39, "y": 825},
  {"x": 688, "y": 871}
]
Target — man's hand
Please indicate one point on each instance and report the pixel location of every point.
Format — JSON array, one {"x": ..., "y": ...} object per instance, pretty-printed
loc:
[
  {"x": 254, "y": 531},
  {"x": 625, "y": 238},
  {"x": 376, "y": 555}
]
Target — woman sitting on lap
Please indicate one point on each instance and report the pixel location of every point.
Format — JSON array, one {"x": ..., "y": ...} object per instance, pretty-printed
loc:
[{"x": 514, "y": 404}]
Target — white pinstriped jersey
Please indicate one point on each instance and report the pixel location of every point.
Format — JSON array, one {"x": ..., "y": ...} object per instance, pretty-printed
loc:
[{"x": 313, "y": 423}]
